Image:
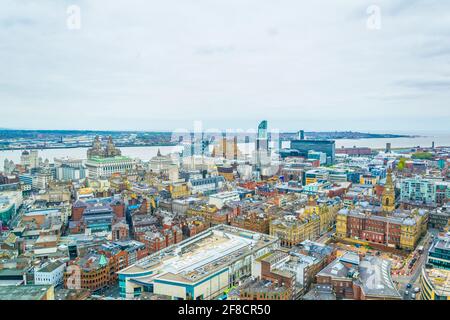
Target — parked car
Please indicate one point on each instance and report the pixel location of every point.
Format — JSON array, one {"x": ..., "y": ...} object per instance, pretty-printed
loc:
[
  {"x": 406, "y": 293},
  {"x": 413, "y": 296},
  {"x": 409, "y": 285},
  {"x": 417, "y": 289}
]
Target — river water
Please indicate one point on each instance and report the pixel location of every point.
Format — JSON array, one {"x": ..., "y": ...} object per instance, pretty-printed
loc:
[{"x": 146, "y": 153}]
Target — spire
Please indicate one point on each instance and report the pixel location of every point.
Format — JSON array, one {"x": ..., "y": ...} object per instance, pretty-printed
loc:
[
  {"x": 389, "y": 182},
  {"x": 159, "y": 153},
  {"x": 388, "y": 197}
]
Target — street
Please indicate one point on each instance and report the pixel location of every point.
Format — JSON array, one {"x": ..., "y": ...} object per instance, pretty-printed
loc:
[{"x": 414, "y": 276}]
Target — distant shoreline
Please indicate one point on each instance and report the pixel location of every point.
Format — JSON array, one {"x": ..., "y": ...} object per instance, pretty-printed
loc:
[
  {"x": 87, "y": 147},
  {"x": 176, "y": 144}
]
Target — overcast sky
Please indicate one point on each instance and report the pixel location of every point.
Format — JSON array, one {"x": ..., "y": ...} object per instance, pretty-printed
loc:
[{"x": 160, "y": 65}]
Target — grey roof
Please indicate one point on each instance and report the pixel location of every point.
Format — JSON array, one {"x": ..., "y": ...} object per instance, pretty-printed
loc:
[{"x": 375, "y": 277}]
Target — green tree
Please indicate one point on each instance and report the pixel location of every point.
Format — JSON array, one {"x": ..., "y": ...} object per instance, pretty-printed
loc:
[
  {"x": 422, "y": 156},
  {"x": 401, "y": 164}
]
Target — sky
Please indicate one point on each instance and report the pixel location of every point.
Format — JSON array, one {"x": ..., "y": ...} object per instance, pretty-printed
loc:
[{"x": 161, "y": 65}]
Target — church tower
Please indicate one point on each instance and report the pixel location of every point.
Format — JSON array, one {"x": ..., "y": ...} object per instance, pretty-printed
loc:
[{"x": 388, "y": 196}]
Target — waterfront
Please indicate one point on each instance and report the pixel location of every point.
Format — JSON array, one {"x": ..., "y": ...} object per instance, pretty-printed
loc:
[{"x": 146, "y": 153}]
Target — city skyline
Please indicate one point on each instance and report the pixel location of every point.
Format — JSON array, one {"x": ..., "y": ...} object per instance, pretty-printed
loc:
[{"x": 160, "y": 66}]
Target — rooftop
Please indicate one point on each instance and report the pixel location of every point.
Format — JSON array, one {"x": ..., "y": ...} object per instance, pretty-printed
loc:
[
  {"x": 28, "y": 292},
  {"x": 50, "y": 266},
  {"x": 195, "y": 258},
  {"x": 440, "y": 278}
]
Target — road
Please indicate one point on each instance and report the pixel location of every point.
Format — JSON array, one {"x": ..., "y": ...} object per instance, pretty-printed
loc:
[
  {"x": 326, "y": 236},
  {"x": 414, "y": 276}
]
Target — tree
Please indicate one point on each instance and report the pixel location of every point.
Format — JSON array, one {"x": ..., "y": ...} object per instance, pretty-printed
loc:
[
  {"x": 422, "y": 156},
  {"x": 401, "y": 164}
]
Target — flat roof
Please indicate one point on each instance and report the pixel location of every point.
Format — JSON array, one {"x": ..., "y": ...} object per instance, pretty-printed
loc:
[
  {"x": 440, "y": 278},
  {"x": 28, "y": 292},
  {"x": 51, "y": 266},
  {"x": 195, "y": 258},
  {"x": 106, "y": 160}
]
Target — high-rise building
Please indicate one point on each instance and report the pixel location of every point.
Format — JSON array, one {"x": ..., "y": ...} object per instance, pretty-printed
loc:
[
  {"x": 262, "y": 150},
  {"x": 262, "y": 139},
  {"x": 326, "y": 146}
]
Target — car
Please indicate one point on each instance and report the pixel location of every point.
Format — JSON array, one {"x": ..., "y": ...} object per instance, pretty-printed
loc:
[
  {"x": 417, "y": 289},
  {"x": 413, "y": 296},
  {"x": 406, "y": 293},
  {"x": 409, "y": 285}
]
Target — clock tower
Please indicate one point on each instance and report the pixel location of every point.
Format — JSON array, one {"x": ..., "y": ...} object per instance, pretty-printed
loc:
[{"x": 388, "y": 196}]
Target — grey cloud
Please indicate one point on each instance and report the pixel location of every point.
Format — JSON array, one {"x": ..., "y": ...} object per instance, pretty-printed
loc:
[{"x": 152, "y": 64}]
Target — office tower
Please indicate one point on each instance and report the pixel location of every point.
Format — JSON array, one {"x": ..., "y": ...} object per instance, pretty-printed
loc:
[
  {"x": 262, "y": 140},
  {"x": 305, "y": 146},
  {"x": 262, "y": 151}
]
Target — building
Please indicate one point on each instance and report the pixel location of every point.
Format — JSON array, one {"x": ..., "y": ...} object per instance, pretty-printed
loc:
[
  {"x": 439, "y": 218},
  {"x": 308, "y": 223},
  {"x": 358, "y": 152},
  {"x": 439, "y": 253},
  {"x": 207, "y": 185},
  {"x": 99, "y": 167},
  {"x": 97, "y": 214},
  {"x": 10, "y": 202},
  {"x": 29, "y": 159},
  {"x": 41, "y": 180},
  {"x": 418, "y": 190},
  {"x": 199, "y": 268},
  {"x": 316, "y": 175},
  {"x": 27, "y": 292},
  {"x": 315, "y": 155},
  {"x": 67, "y": 173},
  {"x": 320, "y": 292},
  {"x": 262, "y": 149},
  {"x": 8, "y": 166},
  {"x": 400, "y": 229},
  {"x": 220, "y": 199},
  {"x": 354, "y": 278},
  {"x": 388, "y": 196},
  {"x": 227, "y": 149},
  {"x": 435, "y": 284},
  {"x": 177, "y": 190},
  {"x": 291, "y": 229},
  {"x": 435, "y": 277},
  {"x": 110, "y": 151},
  {"x": 442, "y": 192},
  {"x": 326, "y": 146},
  {"x": 226, "y": 171},
  {"x": 264, "y": 290},
  {"x": 161, "y": 164},
  {"x": 51, "y": 273},
  {"x": 92, "y": 272}
]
